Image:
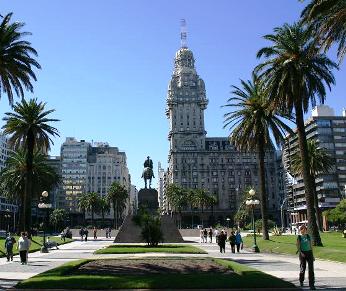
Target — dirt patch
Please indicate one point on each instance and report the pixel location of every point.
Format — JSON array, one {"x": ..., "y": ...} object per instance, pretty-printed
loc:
[{"x": 151, "y": 266}]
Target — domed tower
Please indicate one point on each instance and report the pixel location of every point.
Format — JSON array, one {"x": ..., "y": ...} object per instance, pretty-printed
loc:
[{"x": 186, "y": 102}]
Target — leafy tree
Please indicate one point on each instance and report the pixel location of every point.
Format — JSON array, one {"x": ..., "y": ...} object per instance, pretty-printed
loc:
[
  {"x": 58, "y": 218},
  {"x": 253, "y": 122},
  {"x": 328, "y": 18},
  {"x": 294, "y": 73},
  {"x": 117, "y": 196},
  {"x": 13, "y": 178},
  {"x": 16, "y": 61},
  {"x": 29, "y": 128},
  {"x": 319, "y": 162},
  {"x": 338, "y": 214}
]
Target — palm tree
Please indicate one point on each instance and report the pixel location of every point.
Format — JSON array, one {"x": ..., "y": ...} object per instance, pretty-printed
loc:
[
  {"x": 16, "y": 62},
  {"x": 202, "y": 200},
  {"x": 328, "y": 18},
  {"x": 103, "y": 207},
  {"x": 83, "y": 203},
  {"x": 294, "y": 73},
  {"x": 192, "y": 201},
  {"x": 29, "y": 129},
  {"x": 253, "y": 123},
  {"x": 319, "y": 162},
  {"x": 117, "y": 195},
  {"x": 92, "y": 203},
  {"x": 177, "y": 197},
  {"x": 13, "y": 178}
]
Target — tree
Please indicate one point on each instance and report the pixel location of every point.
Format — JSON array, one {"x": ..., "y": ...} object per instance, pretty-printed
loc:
[
  {"x": 90, "y": 202},
  {"x": 319, "y": 162},
  {"x": 294, "y": 73},
  {"x": 177, "y": 197},
  {"x": 16, "y": 61},
  {"x": 253, "y": 122},
  {"x": 13, "y": 178},
  {"x": 103, "y": 207},
  {"x": 58, "y": 218},
  {"x": 117, "y": 195},
  {"x": 192, "y": 201},
  {"x": 29, "y": 129},
  {"x": 338, "y": 214},
  {"x": 328, "y": 18}
]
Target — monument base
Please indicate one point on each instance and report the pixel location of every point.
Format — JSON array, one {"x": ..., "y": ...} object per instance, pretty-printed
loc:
[{"x": 148, "y": 199}]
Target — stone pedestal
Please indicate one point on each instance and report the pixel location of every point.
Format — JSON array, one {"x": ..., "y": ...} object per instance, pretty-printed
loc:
[{"x": 148, "y": 199}]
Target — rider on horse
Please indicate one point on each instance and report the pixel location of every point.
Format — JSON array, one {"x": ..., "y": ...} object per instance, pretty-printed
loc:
[{"x": 148, "y": 172}]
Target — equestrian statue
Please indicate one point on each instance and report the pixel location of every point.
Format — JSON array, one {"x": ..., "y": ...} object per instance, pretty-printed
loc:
[{"x": 148, "y": 172}]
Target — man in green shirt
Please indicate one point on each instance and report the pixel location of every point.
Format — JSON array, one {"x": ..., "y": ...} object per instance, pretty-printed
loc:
[{"x": 305, "y": 255}]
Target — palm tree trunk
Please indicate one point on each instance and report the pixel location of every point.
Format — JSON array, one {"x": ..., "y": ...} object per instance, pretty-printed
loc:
[
  {"x": 317, "y": 209},
  {"x": 92, "y": 216},
  {"x": 263, "y": 194},
  {"x": 28, "y": 181},
  {"x": 114, "y": 215},
  {"x": 308, "y": 182},
  {"x": 103, "y": 217}
]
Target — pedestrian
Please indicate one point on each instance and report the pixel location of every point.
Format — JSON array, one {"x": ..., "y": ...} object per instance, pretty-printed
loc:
[
  {"x": 211, "y": 235},
  {"x": 231, "y": 240},
  {"x": 95, "y": 232},
  {"x": 216, "y": 234},
  {"x": 86, "y": 232},
  {"x": 109, "y": 232},
  {"x": 81, "y": 233},
  {"x": 305, "y": 256},
  {"x": 222, "y": 241},
  {"x": 106, "y": 232},
  {"x": 201, "y": 234},
  {"x": 23, "y": 248},
  {"x": 9, "y": 243},
  {"x": 205, "y": 235},
  {"x": 238, "y": 241}
]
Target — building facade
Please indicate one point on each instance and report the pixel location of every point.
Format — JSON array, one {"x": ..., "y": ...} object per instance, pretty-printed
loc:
[
  {"x": 74, "y": 163},
  {"x": 8, "y": 210},
  {"x": 330, "y": 133},
  {"x": 213, "y": 164}
]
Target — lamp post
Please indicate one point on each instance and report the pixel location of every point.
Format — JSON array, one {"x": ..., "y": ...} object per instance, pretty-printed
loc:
[
  {"x": 251, "y": 202},
  {"x": 228, "y": 220},
  {"x": 7, "y": 217},
  {"x": 45, "y": 206}
]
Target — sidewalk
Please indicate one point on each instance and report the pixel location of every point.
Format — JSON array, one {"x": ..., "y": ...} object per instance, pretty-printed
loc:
[
  {"x": 329, "y": 275},
  {"x": 13, "y": 272}
]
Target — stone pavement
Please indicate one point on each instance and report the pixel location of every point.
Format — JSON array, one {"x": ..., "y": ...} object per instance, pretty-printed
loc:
[{"x": 329, "y": 275}]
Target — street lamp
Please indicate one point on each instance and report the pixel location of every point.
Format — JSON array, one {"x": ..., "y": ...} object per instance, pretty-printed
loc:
[
  {"x": 46, "y": 207},
  {"x": 251, "y": 202},
  {"x": 228, "y": 220},
  {"x": 7, "y": 217}
]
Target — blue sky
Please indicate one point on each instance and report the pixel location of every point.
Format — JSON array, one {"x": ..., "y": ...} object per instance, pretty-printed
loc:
[{"x": 106, "y": 64}]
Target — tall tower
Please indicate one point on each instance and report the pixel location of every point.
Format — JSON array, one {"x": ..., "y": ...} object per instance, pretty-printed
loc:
[{"x": 186, "y": 102}]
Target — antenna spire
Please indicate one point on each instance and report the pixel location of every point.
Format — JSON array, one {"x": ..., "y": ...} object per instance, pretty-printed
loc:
[{"x": 183, "y": 33}]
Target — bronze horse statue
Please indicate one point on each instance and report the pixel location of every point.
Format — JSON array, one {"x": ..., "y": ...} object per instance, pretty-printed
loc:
[{"x": 148, "y": 172}]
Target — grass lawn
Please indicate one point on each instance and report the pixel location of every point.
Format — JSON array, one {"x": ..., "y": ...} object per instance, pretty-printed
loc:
[
  {"x": 36, "y": 244},
  {"x": 132, "y": 249},
  {"x": 241, "y": 277},
  {"x": 334, "y": 245}
]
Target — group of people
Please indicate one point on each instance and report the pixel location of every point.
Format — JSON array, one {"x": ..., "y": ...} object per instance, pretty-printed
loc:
[
  {"x": 23, "y": 246},
  {"x": 234, "y": 239},
  {"x": 83, "y": 233}
]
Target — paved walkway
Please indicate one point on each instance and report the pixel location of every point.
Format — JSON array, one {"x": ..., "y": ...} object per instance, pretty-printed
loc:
[{"x": 329, "y": 275}]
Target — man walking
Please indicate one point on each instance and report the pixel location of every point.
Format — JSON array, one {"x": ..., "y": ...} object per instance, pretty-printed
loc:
[
  {"x": 305, "y": 256},
  {"x": 222, "y": 241},
  {"x": 9, "y": 243},
  {"x": 23, "y": 248}
]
